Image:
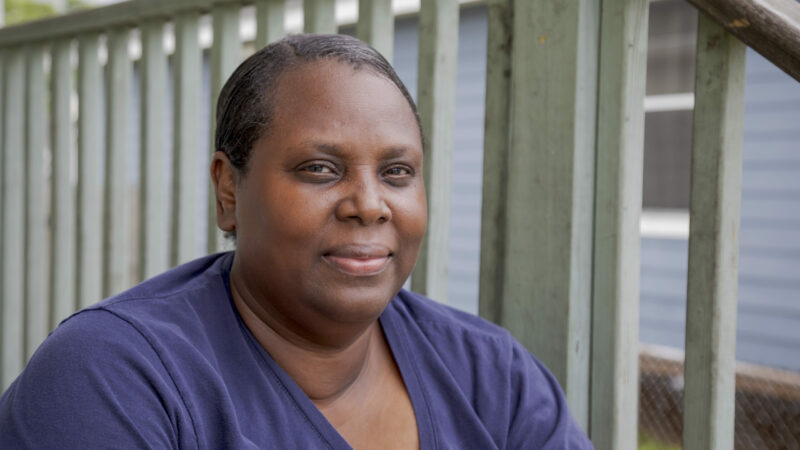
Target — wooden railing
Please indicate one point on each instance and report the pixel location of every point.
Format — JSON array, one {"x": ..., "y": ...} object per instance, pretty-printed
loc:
[{"x": 562, "y": 174}]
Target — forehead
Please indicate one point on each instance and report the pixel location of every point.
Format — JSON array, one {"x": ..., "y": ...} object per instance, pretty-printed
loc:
[{"x": 329, "y": 98}]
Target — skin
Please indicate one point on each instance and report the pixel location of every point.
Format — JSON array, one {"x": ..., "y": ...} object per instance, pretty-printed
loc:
[{"x": 329, "y": 218}]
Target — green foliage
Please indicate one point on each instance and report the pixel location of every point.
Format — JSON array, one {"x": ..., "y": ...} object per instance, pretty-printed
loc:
[
  {"x": 25, "y": 10},
  {"x": 75, "y": 5},
  {"x": 647, "y": 442}
]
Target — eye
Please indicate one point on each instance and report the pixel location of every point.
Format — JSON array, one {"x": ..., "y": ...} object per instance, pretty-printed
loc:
[
  {"x": 398, "y": 171},
  {"x": 317, "y": 168},
  {"x": 317, "y": 172}
]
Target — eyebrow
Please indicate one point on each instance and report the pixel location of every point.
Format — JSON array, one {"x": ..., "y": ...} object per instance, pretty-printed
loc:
[{"x": 335, "y": 150}]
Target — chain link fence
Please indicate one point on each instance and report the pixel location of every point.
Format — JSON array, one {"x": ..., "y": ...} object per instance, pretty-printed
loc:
[{"x": 767, "y": 403}]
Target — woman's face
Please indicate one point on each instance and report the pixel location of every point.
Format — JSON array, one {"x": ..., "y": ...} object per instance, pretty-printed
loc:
[{"x": 331, "y": 212}]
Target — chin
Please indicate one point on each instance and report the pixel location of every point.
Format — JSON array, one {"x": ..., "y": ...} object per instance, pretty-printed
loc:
[{"x": 355, "y": 304}]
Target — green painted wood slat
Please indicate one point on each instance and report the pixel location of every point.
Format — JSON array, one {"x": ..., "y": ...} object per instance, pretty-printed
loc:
[
  {"x": 188, "y": 173},
  {"x": 618, "y": 200},
  {"x": 36, "y": 227},
  {"x": 714, "y": 214},
  {"x": 226, "y": 53},
  {"x": 269, "y": 21},
  {"x": 90, "y": 174},
  {"x": 154, "y": 176},
  {"x": 62, "y": 238},
  {"x": 319, "y": 16},
  {"x": 436, "y": 91},
  {"x": 117, "y": 270},
  {"x": 376, "y": 25},
  {"x": 12, "y": 353},
  {"x": 495, "y": 159},
  {"x": 548, "y": 255}
]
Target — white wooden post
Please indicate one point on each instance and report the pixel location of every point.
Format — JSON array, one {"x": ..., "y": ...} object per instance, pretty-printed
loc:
[
  {"x": 154, "y": 211},
  {"x": 226, "y": 54},
  {"x": 36, "y": 314},
  {"x": 188, "y": 173},
  {"x": 13, "y": 230},
  {"x": 90, "y": 174},
  {"x": 712, "y": 291},
  {"x": 547, "y": 273},
  {"x": 618, "y": 204},
  {"x": 319, "y": 16},
  {"x": 117, "y": 270},
  {"x": 436, "y": 98},
  {"x": 62, "y": 237},
  {"x": 269, "y": 21},
  {"x": 376, "y": 25}
]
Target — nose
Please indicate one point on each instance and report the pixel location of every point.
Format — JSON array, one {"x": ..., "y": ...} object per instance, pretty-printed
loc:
[{"x": 363, "y": 201}]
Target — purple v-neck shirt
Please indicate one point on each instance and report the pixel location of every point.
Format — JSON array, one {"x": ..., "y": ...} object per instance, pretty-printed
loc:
[{"x": 170, "y": 364}]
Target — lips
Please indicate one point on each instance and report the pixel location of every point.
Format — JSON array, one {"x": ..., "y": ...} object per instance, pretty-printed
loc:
[{"x": 359, "y": 259}]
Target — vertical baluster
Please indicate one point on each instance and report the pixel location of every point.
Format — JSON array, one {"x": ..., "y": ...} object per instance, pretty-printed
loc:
[
  {"x": 269, "y": 21},
  {"x": 187, "y": 170},
  {"x": 376, "y": 25},
  {"x": 618, "y": 200},
  {"x": 548, "y": 258},
  {"x": 62, "y": 261},
  {"x": 495, "y": 159},
  {"x": 11, "y": 305},
  {"x": 436, "y": 91},
  {"x": 225, "y": 56},
  {"x": 36, "y": 323},
  {"x": 117, "y": 245},
  {"x": 319, "y": 16},
  {"x": 90, "y": 182},
  {"x": 714, "y": 239},
  {"x": 154, "y": 212},
  {"x": 2, "y": 155}
]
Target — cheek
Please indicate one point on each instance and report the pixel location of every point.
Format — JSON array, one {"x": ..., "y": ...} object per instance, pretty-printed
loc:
[
  {"x": 283, "y": 214},
  {"x": 412, "y": 214}
]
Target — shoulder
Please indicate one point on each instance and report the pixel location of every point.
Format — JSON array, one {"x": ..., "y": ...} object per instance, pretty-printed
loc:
[
  {"x": 118, "y": 360},
  {"x": 91, "y": 373},
  {"x": 517, "y": 399},
  {"x": 178, "y": 304}
]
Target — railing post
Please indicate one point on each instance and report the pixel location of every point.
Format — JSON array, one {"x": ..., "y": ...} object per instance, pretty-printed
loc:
[
  {"x": 618, "y": 204},
  {"x": 269, "y": 21},
  {"x": 117, "y": 268},
  {"x": 13, "y": 231},
  {"x": 547, "y": 279},
  {"x": 376, "y": 25},
  {"x": 188, "y": 174},
  {"x": 495, "y": 159},
  {"x": 226, "y": 54},
  {"x": 436, "y": 92},
  {"x": 319, "y": 16},
  {"x": 709, "y": 397},
  {"x": 62, "y": 237},
  {"x": 90, "y": 183},
  {"x": 154, "y": 211},
  {"x": 36, "y": 324}
]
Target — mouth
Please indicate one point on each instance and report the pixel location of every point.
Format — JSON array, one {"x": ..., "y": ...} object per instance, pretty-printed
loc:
[{"x": 360, "y": 260}]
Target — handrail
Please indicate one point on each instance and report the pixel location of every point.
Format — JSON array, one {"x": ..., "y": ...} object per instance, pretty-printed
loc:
[
  {"x": 770, "y": 27},
  {"x": 100, "y": 19}
]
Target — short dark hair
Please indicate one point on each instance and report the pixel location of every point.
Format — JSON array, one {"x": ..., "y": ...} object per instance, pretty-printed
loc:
[{"x": 246, "y": 103}]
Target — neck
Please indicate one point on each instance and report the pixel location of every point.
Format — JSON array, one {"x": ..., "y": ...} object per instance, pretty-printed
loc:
[{"x": 326, "y": 362}]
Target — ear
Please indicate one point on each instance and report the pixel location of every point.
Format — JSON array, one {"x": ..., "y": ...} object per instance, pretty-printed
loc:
[{"x": 224, "y": 178}]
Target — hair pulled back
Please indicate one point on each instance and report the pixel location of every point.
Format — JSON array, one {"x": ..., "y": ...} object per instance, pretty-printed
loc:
[{"x": 246, "y": 103}]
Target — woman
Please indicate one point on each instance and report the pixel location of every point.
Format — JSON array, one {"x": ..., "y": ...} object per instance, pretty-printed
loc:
[{"x": 300, "y": 338}]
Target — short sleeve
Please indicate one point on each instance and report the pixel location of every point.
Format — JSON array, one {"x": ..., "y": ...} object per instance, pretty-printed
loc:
[
  {"x": 94, "y": 383},
  {"x": 540, "y": 418}
]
